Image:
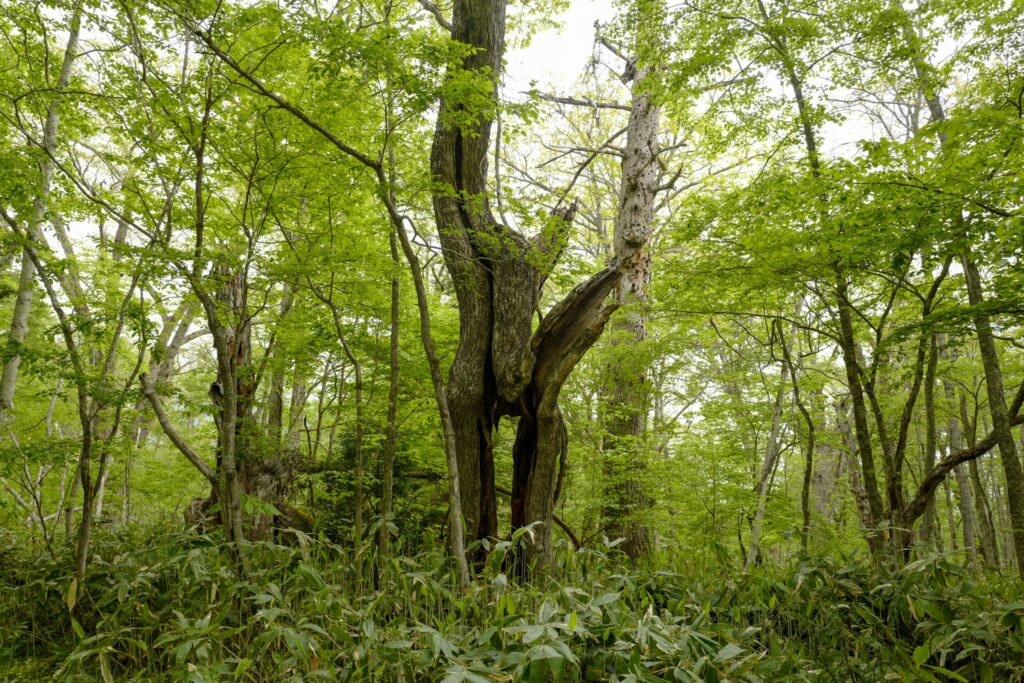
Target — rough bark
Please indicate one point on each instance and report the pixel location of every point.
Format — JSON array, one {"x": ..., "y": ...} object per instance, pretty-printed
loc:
[
  {"x": 499, "y": 367},
  {"x": 472, "y": 241},
  {"x": 627, "y": 383}
]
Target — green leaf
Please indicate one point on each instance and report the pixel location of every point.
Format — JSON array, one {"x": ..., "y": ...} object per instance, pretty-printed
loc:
[
  {"x": 77, "y": 628},
  {"x": 728, "y": 652},
  {"x": 72, "y": 595}
]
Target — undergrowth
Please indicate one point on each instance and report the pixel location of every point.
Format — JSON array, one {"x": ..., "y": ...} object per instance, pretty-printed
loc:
[{"x": 166, "y": 605}]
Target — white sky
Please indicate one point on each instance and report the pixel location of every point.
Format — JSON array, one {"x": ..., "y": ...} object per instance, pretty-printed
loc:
[{"x": 555, "y": 58}]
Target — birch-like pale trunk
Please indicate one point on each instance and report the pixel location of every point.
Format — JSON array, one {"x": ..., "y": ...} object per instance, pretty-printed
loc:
[
  {"x": 627, "y": 386},
  {"x": 26, "y": 278},
  {"x": 954, "y": 440},
  {"x": 768, "y": 463}
]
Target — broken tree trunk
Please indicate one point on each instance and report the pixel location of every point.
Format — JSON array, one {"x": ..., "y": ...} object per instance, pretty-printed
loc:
[{"x": 502, "y": 366}]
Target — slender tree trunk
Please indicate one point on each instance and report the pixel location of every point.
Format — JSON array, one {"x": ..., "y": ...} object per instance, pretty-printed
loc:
[
  {"x": 275, "y": 396},
  {"x": 950, "y": 519},
  {"x": 1012, "y": 469},
  {"x": 101, "y": 487},
  {"x": 965, "y": 499},
  {"x": 805, "y": 489},
  {"x": 387, "y": 493},
  {"x": 69, "y": 506},
  {"x": 26, "y": 278},
  {"x": 771, "y": 455},
  {"x": 860, "y": 418},
  {"x": 987, "y": 531},
  {"x": 455, "y": 514},
  {"x": 928, "y": 528}
]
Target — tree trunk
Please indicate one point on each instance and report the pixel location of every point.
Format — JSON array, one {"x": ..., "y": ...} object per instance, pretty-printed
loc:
[
  {"x": 849, "y": 450},
  {"x": 860, "y": 418},
  {"x": 275, "y": 396},
  {"x": 805, "y": 489},
  {"x": 986, "y": 524},
  {"x": 771, "y": 455},
  {"x": 950, "y": 520},
  {"x": 1012, "y": 469},
  {"x": 387, "y": 492},
  {"x": 928, "y": 528},
  {"x": 26, "y": 278},
  {"x": 499, "y": 367},
  {"x": 965, "y": 500},
  {"x": 627, "y": 382},
  {"x": 296, "y": 413}
]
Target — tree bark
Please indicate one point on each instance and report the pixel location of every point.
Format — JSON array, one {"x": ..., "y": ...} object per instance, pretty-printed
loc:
[
  {"x": 500, "y": 368},
  {"x": 1012, "y": 468},
  {"x": 928, "y": 528},
  {"x": 387, "y": 485},
  {"x": 771, "y": 455},
  {"x": 627, "y": 383},
  {"x": 26, "y": 277},
  {"x": 954, "y": 439}
]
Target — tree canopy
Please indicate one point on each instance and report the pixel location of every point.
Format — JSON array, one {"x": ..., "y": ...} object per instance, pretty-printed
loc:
[{"x": 308, "y": 289}]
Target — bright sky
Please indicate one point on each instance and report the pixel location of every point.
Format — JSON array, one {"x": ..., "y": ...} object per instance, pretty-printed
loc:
[{"x": 556, "y": 57}]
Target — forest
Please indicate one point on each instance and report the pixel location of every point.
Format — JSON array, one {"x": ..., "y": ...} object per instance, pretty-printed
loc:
[{"x": 342, "y": 342}]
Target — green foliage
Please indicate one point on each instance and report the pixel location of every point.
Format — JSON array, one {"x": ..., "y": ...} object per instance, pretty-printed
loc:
[{"x": 164, "y": 605}]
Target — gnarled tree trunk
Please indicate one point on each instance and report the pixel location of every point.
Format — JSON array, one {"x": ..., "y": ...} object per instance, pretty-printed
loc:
[{"x": 503, "y": 367}]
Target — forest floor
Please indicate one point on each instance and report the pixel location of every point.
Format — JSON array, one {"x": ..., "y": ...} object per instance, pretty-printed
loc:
[{"x": 166, "y": 605}]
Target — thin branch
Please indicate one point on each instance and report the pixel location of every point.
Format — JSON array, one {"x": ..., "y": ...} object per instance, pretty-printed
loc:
[{"x": 165, "y": 422}]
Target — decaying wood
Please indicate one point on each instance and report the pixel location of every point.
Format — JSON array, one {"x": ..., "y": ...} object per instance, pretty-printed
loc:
[{"x": 502, "y": 366}]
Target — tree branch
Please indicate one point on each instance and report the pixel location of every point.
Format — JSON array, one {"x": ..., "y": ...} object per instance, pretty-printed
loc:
[
  {"x": 150, "y": 393},
  {"x": 285, "y": 104},
  {"x": 576, "y": 102},
  {"x": 438, "y": 15},
  {"x": 937, "y": 474}
]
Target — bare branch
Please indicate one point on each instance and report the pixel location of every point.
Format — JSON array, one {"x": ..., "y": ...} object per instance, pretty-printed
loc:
[{"x": 579, "y": 102}]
